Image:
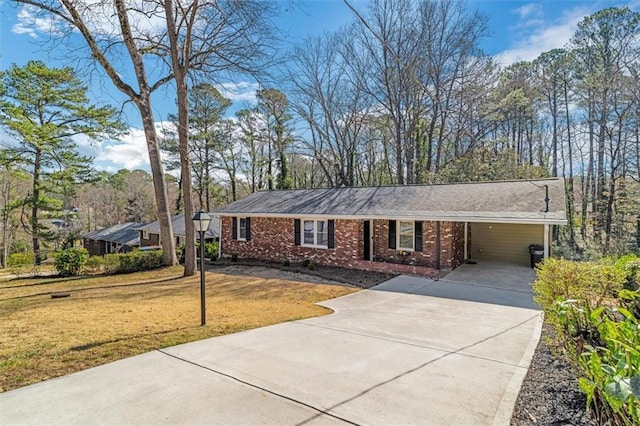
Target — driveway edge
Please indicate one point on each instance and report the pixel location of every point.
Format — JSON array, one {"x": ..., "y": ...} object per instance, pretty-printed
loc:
[{"x": 504, "y": 413}]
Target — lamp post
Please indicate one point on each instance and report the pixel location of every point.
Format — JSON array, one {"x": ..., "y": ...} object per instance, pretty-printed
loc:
[{"x": 201, "y": 221}]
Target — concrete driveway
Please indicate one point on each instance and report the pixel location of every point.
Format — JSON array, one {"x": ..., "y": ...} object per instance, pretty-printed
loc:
[{"x": 404, "y": 352}]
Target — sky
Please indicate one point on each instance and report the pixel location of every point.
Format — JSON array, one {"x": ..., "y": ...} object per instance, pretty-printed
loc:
[{"x": 520, "y": 30}]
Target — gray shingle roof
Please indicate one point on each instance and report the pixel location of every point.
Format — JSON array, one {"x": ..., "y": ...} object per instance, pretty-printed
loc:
[
  {"x": 177, "y": 223},
  {"x": 122, "y": 233},
  {"x": 506, "y": 201}
]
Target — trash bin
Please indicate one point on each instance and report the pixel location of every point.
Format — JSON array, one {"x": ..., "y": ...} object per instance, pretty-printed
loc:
[{"x": 536, "y": 253}]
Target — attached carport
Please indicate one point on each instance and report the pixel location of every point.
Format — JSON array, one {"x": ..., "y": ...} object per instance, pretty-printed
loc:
[{"x": 506, "y": 242}]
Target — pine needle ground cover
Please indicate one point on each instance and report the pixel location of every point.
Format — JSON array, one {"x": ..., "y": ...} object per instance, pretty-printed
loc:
[{"x": 106, "y": 318}]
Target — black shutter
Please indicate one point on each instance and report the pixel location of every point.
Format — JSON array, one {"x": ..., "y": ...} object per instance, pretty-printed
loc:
[
  {"x": 296, "y": 231},
  {"x": 418, "y": 236},
  {"x": 331, "y": 233},
  {"x": 247, "y": 223},
  {"x": 234, "y": 228},
  {"x": 392, "y": 234}
]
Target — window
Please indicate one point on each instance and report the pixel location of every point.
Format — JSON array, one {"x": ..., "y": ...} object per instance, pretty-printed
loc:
[
  {"x": 242, "y": 228},
  {"x": 145, "y": 235},
  {"x": 315, "y": 233},
  {"x": 406, "y": 235}
]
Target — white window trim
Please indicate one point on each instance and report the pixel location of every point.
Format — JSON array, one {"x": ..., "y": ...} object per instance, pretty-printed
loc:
[
  {"x": 238, "y": 237},
  {"x": 145, "y": 234},
  {"x": 315, "y": 233},
  {"x": 413, "y": 235}
]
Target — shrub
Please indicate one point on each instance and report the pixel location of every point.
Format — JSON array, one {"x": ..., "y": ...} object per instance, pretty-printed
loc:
[
  {"x": 234, "y": 257},
  {"x": 211, "y": 249},
  {"x": 70, "y": 261},
  {"x": 94, "y": 264},
  {"x": 286, "y": 262},
  {"x": 306, "y": 263},
  {"x": 599, "y": 333},
  {"x": 132, "y": 262},
  {"x": 20, "y": 262},
  {"x": 559, "y": 279}
]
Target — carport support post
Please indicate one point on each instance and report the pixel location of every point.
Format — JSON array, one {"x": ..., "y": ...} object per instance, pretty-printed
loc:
[
  {"x": 546, "y": 240},
  {"x": 466, "y": 241}
]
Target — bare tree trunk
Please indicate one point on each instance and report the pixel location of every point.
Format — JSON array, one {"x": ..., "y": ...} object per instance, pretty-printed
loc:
[
  {"x": 160, "y": 190},
  {"x": 35, "y": 237},
  {"x": 180, "y": 68}
]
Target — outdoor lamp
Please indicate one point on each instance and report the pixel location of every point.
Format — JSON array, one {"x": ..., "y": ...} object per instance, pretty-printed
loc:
[{"x": 201, "y": 221}]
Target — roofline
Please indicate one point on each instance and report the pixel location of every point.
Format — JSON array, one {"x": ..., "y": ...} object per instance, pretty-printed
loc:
[
  {"x": 409, "y": 185},
  {"x": 435, "y": 218}
]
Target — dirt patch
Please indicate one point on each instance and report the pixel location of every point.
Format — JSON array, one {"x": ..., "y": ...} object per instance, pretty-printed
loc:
[
  {"x": 550, "y": 393},
  {"x": 297, "y": 272}
]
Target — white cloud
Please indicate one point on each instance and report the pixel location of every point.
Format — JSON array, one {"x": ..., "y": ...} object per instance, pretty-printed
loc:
[
  {"x": 530, "y": 10},
  {"x": 239, "y": 92},
  {"x": 130, "y": 151},
  {"x": 31, "y": 22},
  {"x": 543, "y": 37}
]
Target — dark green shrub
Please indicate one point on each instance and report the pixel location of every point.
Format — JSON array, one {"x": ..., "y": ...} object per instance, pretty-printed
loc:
[
  {"x": 132, "y": 262},
  {"x": 286, "y": 262},
  {"x": 310, "y": 266},
  {"x": 70, "y": 262},
  {"x": 234, "y": 257},
  {"x": 211, "y": 250},
  {"x": 306, "y": 263}
]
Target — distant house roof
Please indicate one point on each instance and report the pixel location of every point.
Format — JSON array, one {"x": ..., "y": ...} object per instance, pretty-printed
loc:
[
  {"x": 122, "y": 233},
  {"x": 177, "y": 223},
  {"x": 501, "y": 202}
]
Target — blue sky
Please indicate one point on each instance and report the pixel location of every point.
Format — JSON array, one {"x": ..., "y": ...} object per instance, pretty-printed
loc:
[{"x": 521, "y": 30}]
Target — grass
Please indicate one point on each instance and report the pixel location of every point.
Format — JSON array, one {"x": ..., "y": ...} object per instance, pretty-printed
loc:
[{"x": 107, "y": 318}]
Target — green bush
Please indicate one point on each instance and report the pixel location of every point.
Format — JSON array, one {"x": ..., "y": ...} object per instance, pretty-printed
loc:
[
  {"x": 598, "y": 331},
  {"x": 135, "y": 261},
  {"x": 560, "y": 279},
  {"x": 211, "y": 249},
  {"x": 630, "y": 265},
  {"x": 19, "y": 263},
  {"x": 94, "y": 264},
  {"x": 70, "y": 261}
]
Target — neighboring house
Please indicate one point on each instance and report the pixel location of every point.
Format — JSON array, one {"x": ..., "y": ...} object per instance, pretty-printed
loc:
[
  {"x": 419, "y": 229},
  {"x": 120, "y": 238},
  {"x": 150, "y": 233}
]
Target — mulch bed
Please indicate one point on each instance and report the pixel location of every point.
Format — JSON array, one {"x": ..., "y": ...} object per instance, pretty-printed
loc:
[
  {"x": 549, "y": 394},
  {"x": 354, "y": 277}
]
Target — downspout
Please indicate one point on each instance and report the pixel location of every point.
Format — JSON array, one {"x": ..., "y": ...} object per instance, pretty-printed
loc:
[
  {"x": 466, "y": 241},
  {"x": 438, "y": 245},
  {"x": 220, "y": 238},
  {"x": 546, "y": 240}
]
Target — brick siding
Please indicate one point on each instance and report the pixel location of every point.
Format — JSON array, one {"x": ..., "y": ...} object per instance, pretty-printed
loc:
[{"x": 273, "y": 239}]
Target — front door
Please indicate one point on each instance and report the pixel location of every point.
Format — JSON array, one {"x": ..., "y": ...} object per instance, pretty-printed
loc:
[{"x": 366, "y": 238}]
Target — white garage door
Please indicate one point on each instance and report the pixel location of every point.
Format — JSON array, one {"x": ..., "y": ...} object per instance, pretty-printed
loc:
[{"x": 504, "y": 242}]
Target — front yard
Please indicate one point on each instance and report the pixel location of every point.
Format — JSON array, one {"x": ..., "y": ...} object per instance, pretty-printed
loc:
[{"x": 106, "y": 318}]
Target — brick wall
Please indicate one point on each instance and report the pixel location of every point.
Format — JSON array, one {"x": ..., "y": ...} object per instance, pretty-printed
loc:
[{"x": 273, "y": 239}]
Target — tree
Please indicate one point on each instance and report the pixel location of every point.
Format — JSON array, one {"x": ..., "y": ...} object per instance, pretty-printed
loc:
[
  {"x": 605, "y": 47},
  {"x": 114, "y": 33},
  {"x": 274, "y": 108},
  {"x": 43, "y": 109},
  {"x": 14, "y": 184}
]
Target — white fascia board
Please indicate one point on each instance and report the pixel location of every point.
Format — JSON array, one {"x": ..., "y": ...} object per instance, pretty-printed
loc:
[{"x": 434, "y": 218}]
